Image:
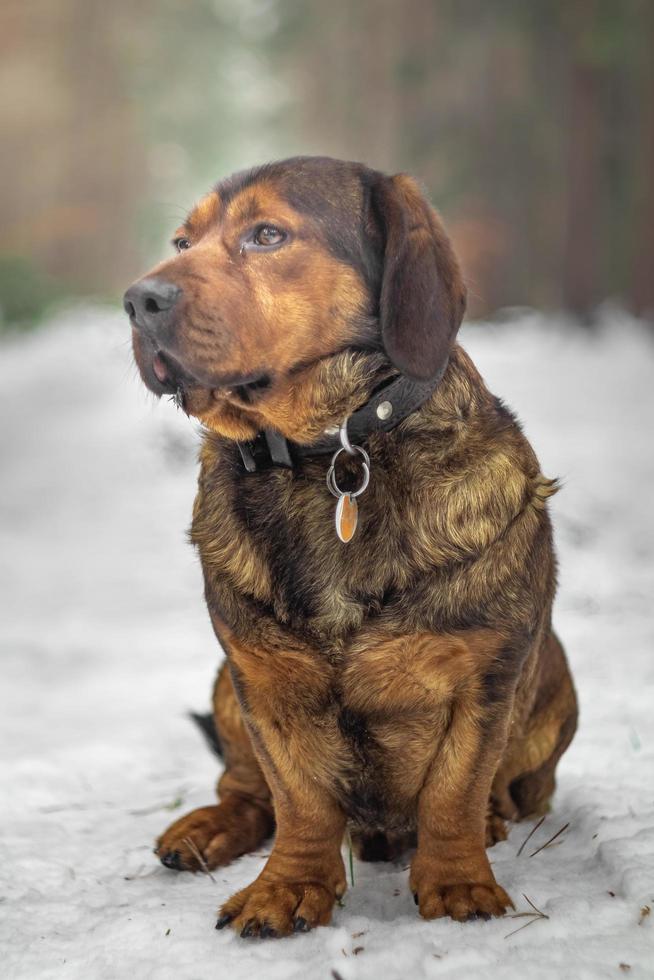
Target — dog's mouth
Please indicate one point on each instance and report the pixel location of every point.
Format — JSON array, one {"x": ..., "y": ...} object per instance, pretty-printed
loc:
[{"x": 173, "y": 378}]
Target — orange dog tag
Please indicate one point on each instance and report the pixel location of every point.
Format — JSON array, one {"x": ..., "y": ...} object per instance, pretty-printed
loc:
[
  {"x": 347, "y": 515},
  {"x": 347, "y": 509}
]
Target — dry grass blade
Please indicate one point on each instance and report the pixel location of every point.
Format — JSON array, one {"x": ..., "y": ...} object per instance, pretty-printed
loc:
[
  {"x": 530, "y": 835},
  {"x": 524, "y": 926},
  {"x": 534, "y": 907},
  {"x": 550, "y": 841},
  {"x": 349, "y": 845},
  {"x": 532, "y": 916},
  {"x": 196, "y": 853}
]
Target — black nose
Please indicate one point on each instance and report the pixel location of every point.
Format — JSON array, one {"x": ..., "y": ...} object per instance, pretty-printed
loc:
[{"x": 148, "y": 299}]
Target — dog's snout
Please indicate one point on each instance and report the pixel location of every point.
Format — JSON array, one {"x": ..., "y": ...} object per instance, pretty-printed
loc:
[{"x": 147, "y": 299}]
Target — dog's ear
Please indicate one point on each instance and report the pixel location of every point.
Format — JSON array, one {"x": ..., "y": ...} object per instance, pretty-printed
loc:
[{"x": 422, "y": 295}]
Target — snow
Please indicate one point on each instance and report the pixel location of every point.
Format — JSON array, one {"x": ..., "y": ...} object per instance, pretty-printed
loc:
[{"x": 106, "y": 645}]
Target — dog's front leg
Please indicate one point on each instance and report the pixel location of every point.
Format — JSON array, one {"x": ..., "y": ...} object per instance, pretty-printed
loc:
[
  {"x": 450, "y": 873},
  {"x": 303, "y": 876},
  {"x": 279, "y": 692}
]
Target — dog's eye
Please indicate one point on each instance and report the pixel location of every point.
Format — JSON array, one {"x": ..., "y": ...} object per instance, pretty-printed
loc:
[
  {"x": 268, "y": 235},
  {"x": 181, "y": 244}
]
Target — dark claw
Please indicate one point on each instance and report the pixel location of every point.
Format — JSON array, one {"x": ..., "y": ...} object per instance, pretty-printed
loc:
[
  {"x": 479, "y": 915},
  {"x": 415, "y": 898},
  {"x": 248, "y": 929},
  {"x": 267, "y": 932},
  {"x": 223, "y": 921},
  {"x": 301, "y": 925},
  {"x": 171, "y": 859}
]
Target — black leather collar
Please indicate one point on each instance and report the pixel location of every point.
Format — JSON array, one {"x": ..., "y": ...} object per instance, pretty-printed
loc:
[{"x": 390, "y": 404}]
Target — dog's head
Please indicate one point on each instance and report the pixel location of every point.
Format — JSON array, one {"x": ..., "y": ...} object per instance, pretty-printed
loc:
[{"x": 294, "y": 288}]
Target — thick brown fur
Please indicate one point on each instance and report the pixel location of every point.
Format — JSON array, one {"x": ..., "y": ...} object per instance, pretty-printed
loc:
[{"x": 408, "y": 683}]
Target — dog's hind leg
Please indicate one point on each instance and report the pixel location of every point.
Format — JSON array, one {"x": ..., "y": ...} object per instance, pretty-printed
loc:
[
  {"x": 525, "y": 782},
  {"x": 213, "y": 836}
]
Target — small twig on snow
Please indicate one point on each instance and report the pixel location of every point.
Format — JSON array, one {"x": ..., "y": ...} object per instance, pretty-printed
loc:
[
  {"x": 532, "y": 916},
  {"x": 550, "y": 841},
  {"x": 530, "y": 835},
  {"x": 190, "y": 843},
  {"x": 349, "y": 845}
]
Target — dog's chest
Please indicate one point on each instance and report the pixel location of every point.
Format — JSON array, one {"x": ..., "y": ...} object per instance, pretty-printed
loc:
[{"x": 315, "y": 581}]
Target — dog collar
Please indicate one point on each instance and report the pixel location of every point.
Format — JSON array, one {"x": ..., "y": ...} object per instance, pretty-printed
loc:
[{"x": 390, "y": 404}]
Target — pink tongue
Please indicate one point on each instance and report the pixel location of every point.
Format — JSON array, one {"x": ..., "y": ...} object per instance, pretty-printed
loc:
[{"x": 159, "y": 368}]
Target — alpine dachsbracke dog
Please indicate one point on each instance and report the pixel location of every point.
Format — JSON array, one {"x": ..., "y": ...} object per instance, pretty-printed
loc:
[{"x": 375, "y": 542}]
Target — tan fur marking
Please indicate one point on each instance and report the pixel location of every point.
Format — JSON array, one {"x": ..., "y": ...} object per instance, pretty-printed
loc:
[{"x": 205, "y": 213}]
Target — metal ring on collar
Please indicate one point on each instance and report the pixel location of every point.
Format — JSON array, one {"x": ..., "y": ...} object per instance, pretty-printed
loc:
[
  {"x": 345, "y": 439},
  {"x": 331, "y": 473}
]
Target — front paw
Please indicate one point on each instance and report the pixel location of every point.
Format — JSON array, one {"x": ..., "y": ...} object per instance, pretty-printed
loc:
[
  {"x": 269, "y": 909},
  {"x": 212, "y": 836},
  {"x": 476, "y": 896}
]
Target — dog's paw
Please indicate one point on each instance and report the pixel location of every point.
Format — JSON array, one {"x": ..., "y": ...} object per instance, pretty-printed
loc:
[
  {"x": 496, "y": 829},
  {"x": 475, "y": 895},
  {"x": 213, "y": 836},
  {"x": 270, "y": 909},
  {"x": 462, "y": 902}
]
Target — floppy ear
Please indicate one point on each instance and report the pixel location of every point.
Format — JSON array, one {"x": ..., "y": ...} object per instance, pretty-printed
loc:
[{"x": 422, "y": 298}]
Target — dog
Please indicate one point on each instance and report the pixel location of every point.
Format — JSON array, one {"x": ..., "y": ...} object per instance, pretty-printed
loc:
[{"x": 375, "y": 542}]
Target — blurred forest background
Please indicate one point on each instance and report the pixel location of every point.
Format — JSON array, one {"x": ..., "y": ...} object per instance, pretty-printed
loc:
[{"x": 530, "y": 122}]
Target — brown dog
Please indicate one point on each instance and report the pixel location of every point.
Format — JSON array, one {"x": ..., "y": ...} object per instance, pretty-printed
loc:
[{"x": 407, "y": 682}]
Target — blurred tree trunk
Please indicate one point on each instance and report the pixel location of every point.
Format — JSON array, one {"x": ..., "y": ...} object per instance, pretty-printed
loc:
[
  {"x": 103, "y": 158},
  {"x": 584, "y": 133},
  {"x": 642, "y": 285},
  {"x": 377, "y": 85},
  {"x": 73, "y": 160}
]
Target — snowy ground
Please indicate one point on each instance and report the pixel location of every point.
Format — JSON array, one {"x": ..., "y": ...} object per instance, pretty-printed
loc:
[{"x": 105, "y": 645}]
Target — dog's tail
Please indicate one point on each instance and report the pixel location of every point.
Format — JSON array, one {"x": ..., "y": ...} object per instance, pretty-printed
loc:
[{"x": 207, "y": 726}]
